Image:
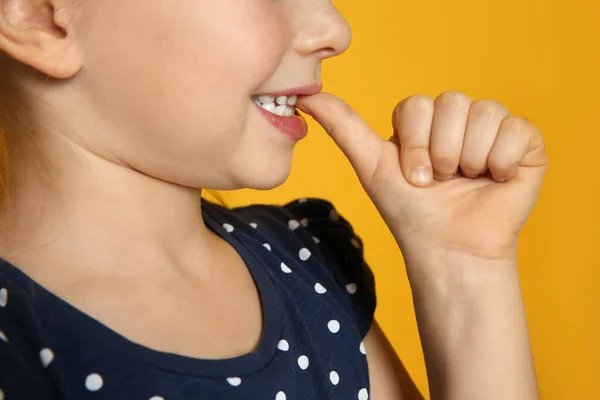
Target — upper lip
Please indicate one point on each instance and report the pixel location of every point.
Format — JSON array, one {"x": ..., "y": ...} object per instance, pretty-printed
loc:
[{"x": 303, "y": 90}]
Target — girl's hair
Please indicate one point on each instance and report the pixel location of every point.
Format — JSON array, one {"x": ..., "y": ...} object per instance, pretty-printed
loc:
[{"x": 15, "y": 117}]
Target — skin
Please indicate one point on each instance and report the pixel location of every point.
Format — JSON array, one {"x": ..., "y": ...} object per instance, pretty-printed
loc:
[{"x": 163, "y": 108}]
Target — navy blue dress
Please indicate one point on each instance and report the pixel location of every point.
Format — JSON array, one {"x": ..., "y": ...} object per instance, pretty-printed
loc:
[{"x": 318, "y": 298}]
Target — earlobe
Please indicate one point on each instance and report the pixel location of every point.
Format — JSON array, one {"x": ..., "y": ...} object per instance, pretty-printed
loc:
[{"x": 36, "y": 33}]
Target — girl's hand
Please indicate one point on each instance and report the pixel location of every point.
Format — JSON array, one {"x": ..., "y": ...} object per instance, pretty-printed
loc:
[{"x": 456, "y": 177}]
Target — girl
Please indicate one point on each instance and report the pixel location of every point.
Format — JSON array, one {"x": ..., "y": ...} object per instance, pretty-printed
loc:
[{"x": 118, "y": 281}]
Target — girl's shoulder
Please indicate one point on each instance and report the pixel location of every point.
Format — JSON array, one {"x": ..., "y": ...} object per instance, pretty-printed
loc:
[{"x": 310, "y": 234}]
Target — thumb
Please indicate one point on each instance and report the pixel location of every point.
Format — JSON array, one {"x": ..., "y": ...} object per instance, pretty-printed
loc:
[{"x": 361, "y": 145}]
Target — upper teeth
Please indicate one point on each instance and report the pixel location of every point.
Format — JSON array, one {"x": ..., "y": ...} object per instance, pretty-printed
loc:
[
  {"x": 284, "y": 107},
  {"x": 281, "y": 100}
]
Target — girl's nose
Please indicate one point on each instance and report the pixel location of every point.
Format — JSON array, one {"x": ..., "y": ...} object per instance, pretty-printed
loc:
[{"x": 325, "y": 32}]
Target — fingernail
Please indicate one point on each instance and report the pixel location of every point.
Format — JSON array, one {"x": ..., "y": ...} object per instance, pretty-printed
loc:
[
  {"x": 500, "y": 179},
  {"x": 420, "y": 176}
]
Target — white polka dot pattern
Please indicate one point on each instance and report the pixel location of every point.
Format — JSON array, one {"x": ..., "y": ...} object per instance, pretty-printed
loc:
[
  {"x": 283, "y": 345},
  {"x": 316, "y": 239},
  {"x": 94, "y": 382},
  {"x": 355, "y": 243},
  {"x": 293, "y": 224},
  {"x": 1, "y": 394},
  {"x": 267, "y": 246},
  {"x": 334, "y": 378},
  {"x": 46, "y": 356},
  {"x": 303, "y": 362},
  {"x": 254, "y": 225},
  {"x": 3, "y": 336},
  {"x": 285, "y": 268},
  {"x": 3, "y": 297},
  {"x": 304, "y": 222},
  {"x": 234, "y": 381},
  {"x": 156, "y": 398},
  {"x": 304, "y": 254},
  {"x": 320, "y": 289},
  {"x": 334, "y": 326},
  {"x": 363, "y": 394},
  {"x": 362, "y": 348},
  {"x": 351, "y": 288},
  {"x": 280, "y": 396},
  {"x": 228, "y": 228}
]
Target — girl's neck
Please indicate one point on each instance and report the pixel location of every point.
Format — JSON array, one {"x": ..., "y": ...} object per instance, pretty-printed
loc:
[{"x": 86, "y": 206}]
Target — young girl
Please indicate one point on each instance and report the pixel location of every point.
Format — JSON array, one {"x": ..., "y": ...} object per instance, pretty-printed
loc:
[{"x": 118, "y": 281}]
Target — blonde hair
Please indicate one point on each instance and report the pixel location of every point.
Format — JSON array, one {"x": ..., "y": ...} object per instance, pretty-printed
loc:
[{"x": 16, "y": 120}]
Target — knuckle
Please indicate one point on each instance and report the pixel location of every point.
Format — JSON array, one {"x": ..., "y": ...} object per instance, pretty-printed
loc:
[
  {"x": 488, "y": 109},
  {"x": 411, "y": 144},
  {"x": 453, "y": 99},
  {"x": 416, "y": 103},
  {"x": 516, "y": 124}
]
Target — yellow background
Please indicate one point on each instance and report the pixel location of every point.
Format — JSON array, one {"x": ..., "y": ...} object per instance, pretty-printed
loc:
[{"x": 541, "y": 59}]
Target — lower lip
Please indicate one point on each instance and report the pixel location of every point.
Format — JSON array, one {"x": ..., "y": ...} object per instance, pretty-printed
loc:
[{"x": 295, "y": 126}]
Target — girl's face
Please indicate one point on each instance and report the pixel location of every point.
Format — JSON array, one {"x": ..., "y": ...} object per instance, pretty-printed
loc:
[{"x": 165, "y": 86}]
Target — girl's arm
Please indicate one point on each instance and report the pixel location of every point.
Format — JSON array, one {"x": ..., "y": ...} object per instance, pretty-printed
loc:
[
  {"x": 473, "y": 329},
  {"x": 388, "y": 377}
]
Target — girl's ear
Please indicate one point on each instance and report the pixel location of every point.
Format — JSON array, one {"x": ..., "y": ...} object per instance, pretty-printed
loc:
[{"x": 38, "y": 33}]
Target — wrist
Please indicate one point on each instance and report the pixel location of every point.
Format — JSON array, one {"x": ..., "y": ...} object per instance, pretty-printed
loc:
[
  {"x": 455, "y": 272},
  {"x": 432, "y": 249}
]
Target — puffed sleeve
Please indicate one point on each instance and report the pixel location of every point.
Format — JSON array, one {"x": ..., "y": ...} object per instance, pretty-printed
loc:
[{"x": 343, "y": 255}]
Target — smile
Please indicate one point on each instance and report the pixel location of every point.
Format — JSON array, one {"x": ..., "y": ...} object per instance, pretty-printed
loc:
[{"x": 283, "y": 106}]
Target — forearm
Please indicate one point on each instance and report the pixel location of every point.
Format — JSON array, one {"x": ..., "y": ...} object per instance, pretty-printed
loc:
[{"x": 473, "y": 329}]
